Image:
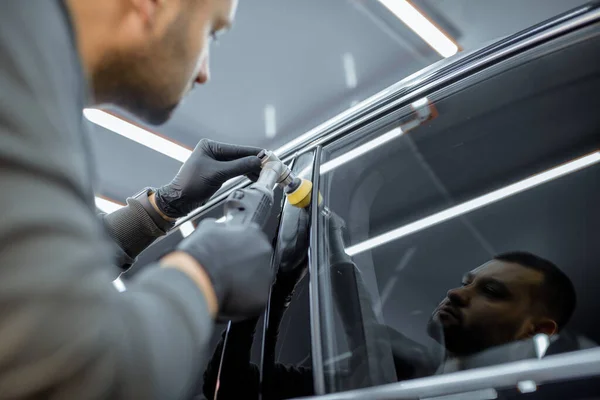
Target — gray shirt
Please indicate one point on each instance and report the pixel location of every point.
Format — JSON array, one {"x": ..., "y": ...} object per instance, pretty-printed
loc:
[{"x": 65, "y": 331}]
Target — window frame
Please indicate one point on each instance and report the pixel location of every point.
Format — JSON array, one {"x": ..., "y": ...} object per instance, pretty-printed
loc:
[
  {"x": 315, "y": 300},
  {"x": 431, "y": 79},
  {"x": 266, "y": 345},
  {"x": 573, "y": 365}
]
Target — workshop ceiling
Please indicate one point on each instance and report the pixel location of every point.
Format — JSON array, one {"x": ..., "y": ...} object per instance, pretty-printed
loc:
[{"x": 288, "y": 66}]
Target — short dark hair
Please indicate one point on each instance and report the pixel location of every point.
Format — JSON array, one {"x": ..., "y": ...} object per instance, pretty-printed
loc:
[{"x": 557, "y": 291}]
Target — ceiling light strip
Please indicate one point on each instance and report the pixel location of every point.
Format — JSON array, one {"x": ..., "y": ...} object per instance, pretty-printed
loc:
[
  {"x": 422, "y": 26},
  {"x": 422, "y": 114},
  {"x": 137, "y": 134},
  {"x": 360, "y": 150},
  {"x": 119, "y": 285},
  {"x": 270, "y": 121},
  {"x": 350, "y": 70},
  {"x": 476, "y": 203},
  {"x": 186, "y": 229},
  {"x": 107, "y": 206}
]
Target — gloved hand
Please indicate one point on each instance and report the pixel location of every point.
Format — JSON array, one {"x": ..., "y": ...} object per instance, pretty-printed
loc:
[
  {"x": 209, "y": 166},
  {"x": 237, "y": 258},
  {"x": 335, "y": 229}
]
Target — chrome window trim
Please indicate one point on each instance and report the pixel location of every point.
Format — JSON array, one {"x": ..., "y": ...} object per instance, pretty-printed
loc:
[
  {"x": 443, "y": 72},
  {"x": 419, "y": 84},
  {"x": 318, "y": 369},
  {"x": 577, "y": 364}
]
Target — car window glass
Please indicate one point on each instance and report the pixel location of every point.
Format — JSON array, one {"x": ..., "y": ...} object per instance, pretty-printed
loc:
[{"x": 468, "y": 225}]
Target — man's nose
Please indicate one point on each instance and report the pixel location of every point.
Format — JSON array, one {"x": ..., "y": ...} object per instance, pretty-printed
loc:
[
  {"x": 458, "y": 296},
  {"x": 204, "y": 74}
]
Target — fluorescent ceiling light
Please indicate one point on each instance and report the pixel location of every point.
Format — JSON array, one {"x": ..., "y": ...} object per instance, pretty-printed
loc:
[
  {"x": 541, "y": 342},
  {"x": 107, "y": 206},
  {"x": 222, "y": 220},
  {"x": 375, "y": 143},
  {"x": 475, "y": 204},
  {"x": 137, "y": 134},
  {"x": 270, "y": 121},
  {"x": 350, "y": 70},
  {"x": 186, "y": 229},
  {"x": 422, "y": 26},
  {"x": 527, "y": 386},
  {"x": 119, "y": 285},
  {"x": 360, "y": 150},
  {"x": 422, "y": 102}
]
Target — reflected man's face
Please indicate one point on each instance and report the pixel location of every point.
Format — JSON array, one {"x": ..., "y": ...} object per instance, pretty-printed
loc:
[{"x": 496, "y": 304}]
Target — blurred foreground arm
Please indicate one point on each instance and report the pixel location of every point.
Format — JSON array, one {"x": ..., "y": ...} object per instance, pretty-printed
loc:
[{"x": 65, "y": 332}]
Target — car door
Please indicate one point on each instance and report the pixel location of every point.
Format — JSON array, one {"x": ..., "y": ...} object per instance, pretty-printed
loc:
[
  {"x": 248, "y": 358},
  {"x": 463, "y": 210},
  {"x": 252, "y": 343}
]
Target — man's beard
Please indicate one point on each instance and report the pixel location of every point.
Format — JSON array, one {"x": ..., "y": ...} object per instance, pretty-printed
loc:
[
  {"x": 455, "y": 339},
  {"x": 461, "y": 341},
  {"x": 145, "y": 82},
  {"x": 120, "y": 82}
]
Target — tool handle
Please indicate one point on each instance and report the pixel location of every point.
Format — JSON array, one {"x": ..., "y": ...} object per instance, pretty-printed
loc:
[{"x": 251, "y": 204}]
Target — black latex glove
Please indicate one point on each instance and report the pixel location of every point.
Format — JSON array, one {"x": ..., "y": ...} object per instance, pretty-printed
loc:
[
  {"x": 237, "y": 258},
  {"x": 209, "y": 166}
]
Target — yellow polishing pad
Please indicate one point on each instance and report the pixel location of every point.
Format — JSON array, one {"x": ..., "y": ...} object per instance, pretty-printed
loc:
[{"x": 301, "y": 196}]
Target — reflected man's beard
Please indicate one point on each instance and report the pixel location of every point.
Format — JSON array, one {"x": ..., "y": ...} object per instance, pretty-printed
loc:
[
  {"x": 463, "y": 341},
  {"x": 454, "y": 338}
]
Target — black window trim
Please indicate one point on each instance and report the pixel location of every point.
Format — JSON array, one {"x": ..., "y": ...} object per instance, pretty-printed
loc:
[{"x": 553, "y": 369}]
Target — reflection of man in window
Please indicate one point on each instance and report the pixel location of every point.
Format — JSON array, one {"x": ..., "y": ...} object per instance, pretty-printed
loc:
[
  {"x": 510, "y": 298},
  {"x": 515, "y": 296}
]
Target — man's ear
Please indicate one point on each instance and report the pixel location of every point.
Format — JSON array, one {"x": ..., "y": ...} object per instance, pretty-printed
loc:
[{"x": 546, "y": 326}]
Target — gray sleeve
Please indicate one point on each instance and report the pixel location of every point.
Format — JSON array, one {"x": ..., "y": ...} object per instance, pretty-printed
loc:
[
  {"x": 65, "y": 332},
  {"x": 132, "y": 230},
  {"x": 64, "y": 329}
]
